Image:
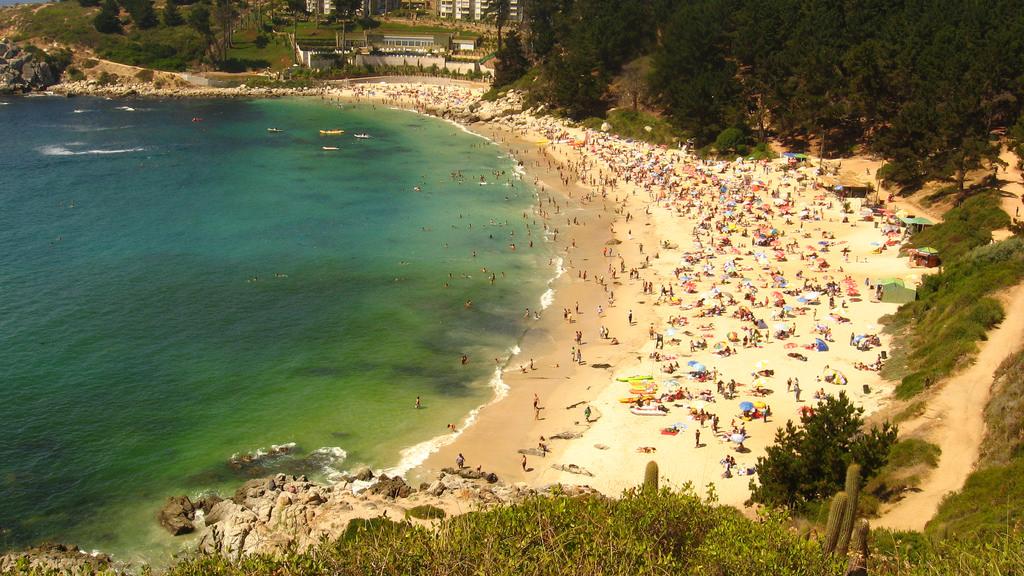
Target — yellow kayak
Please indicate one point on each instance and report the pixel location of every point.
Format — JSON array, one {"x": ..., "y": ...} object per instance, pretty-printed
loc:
[{"x": 332, "y": 132}]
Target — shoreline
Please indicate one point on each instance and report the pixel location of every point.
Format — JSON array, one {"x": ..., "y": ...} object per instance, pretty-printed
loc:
[{"x": 506, "y": 424}]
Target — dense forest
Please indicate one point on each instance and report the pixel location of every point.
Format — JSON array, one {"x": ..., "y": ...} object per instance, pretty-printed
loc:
[{"x": 927, "y": 84}]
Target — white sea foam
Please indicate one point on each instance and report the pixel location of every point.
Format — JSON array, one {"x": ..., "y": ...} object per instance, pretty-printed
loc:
[
  {"x": 329, "y": 458},
  {"x": 63, "y": 151},
  {"x": 81, "y": 111},
  {"x": 559, "y": 269},
  {"x": 547, "y": 298},
  {"x": 514, "y": 350},
  {"x": 126, "y": 108}
]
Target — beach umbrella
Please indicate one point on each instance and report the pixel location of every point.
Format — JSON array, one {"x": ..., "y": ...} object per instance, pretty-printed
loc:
[
  {"x": 760, "y": 405},
  {"x": 760, "y": 382},
  {"x": 746, "y": 406},
  {"x": 737, "y": 438},
  {"x": 719, "y": 346},
  {"x": 696, "y": 366},
  {"x": 761, "y": 365},
  {"x": 820, "y": 345}
]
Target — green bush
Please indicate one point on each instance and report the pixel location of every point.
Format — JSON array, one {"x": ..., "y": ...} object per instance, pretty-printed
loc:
[
  {"x": 426, "y": 512},
  {"x": 809, "y": 462}
]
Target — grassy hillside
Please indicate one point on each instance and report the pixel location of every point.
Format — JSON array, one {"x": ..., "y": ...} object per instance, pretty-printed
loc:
[
  {"x": 955, "y": 308},
  {"x": 162, "y": 47}
]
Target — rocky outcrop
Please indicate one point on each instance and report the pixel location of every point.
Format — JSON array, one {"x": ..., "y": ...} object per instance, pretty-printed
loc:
[
  {"x": 58, "y": 558},
  {"x": 282, "y": 512},
  {"x": 177, "y": 515},
  {"x": 21, "y": 72}
]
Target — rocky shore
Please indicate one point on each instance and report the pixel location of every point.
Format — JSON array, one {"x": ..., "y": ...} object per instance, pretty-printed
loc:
[
  {"x": 21, "y": 71},
  {"x": 48, "y": 558},
  {"x": 280, "y": 513}
]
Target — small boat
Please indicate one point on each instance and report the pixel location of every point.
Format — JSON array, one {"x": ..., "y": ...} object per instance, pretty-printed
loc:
[
  {"x": 328, "y": 147},
  {"x": 274, "y": 130},
  {"x": 362, "y": 136},
  {"x": 331, "y": 132}
]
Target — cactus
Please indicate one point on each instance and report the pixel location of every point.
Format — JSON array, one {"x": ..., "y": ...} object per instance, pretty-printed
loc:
[
  {"x": 835, "y": 518},
  {"x": 858, "y": 562},
  {"x": 850, "y": 514},
  {"x": 651, "y": 477}
]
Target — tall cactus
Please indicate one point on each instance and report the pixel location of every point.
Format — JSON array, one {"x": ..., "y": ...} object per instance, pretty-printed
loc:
[
  {"x": 835, "y": 519},
  {"x": 850, "y": 514},
  {"x": 857, "y": 564},
  {"x": 651, "y": 477}
]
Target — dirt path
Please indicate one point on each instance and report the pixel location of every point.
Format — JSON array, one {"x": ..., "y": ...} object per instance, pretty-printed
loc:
[
  {"x": 954, "y": 420},
  {"x": 1013, "y": 190}
]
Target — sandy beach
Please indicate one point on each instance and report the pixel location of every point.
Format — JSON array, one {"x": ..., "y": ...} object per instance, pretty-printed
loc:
[{"x": 656, "y": 243}]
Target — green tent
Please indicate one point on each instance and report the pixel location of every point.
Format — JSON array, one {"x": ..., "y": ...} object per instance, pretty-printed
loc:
[{"x": 894, "y": 291}]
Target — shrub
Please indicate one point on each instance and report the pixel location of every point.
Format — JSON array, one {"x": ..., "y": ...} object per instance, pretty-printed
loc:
[
  {"x": 426, "y": 512},
  {"x": 809, "y": 462}
]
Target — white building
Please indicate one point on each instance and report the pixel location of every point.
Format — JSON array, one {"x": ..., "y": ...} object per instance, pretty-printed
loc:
[
  {"x": 322, "y": 7},
  {"x": 473, "y": 9}
]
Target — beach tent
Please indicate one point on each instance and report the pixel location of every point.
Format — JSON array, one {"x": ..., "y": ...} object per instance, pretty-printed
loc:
[
  {"x": 894, "y": 291},
  {"x": 820, "y": 345},
  {"x": 916, "y": 223},
  {"x": 926, "y": 256}
]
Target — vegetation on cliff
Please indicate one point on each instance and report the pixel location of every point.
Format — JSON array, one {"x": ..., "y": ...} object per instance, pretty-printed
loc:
[
  {"x": 955, "y": 308},
  {"x": 923, "y": 84}
]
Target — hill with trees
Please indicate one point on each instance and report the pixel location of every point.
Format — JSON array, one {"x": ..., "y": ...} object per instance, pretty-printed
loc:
[{"x": 927, "y": 84}]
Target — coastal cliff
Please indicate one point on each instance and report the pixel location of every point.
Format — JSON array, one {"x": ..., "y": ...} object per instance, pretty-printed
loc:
[{"x": 21, "y": 71}]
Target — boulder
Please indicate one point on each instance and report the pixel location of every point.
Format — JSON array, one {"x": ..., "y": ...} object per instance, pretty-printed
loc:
[
  {"x": 206, "y": 503},
  {"x": 177, "y": 514},
  {"x": 221, "y": 511},
  {"x": 363, "y": 474},
  {"x": 391, "y": 487}
]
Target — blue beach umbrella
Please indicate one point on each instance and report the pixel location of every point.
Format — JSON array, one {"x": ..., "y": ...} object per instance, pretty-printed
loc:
[
  {"x": 746, "y": 406},
  {"x": 821, "y": 345}
]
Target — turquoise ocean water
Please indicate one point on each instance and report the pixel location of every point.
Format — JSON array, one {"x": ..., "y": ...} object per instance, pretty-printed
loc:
[{"x": 175, "y": 292}]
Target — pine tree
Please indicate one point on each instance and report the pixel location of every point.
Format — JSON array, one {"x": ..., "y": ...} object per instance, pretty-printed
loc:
[
  {"x": 512, "y": 63},
  {"x": 107, "y": 20},
  {"x": 172, "y": 16}
]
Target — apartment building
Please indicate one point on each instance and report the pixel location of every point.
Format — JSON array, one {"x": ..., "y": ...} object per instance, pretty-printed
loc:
[
  {"x": 322, "y": 7},
  {"x": 474, "y": 10}
]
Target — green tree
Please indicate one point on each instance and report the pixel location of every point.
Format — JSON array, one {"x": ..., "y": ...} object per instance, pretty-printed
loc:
[
  {"x": 498, "y": 11},
  {"x": 225, "y": 15},
  {"x": 145, "y": 15},
  {"x": 172, "y": 16},
  {"x": 809, "y": 462},
  {"x": 512, "y": 63},
  {"x": 107, "y": 21},
  {"x": 199, "y": 20},
  {"x": 692, "y": 76}
]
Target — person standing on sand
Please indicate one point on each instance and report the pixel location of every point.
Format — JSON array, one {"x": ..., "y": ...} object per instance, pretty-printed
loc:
[
  {"x": 696, "y": 443},
  {"x": 460, "y": 461},
  {"x": 524, "y": 462},
  {"x": 796, "y": 389},
  {"x": 418, "y": 405},
  {"x": 587, "y": 412}
]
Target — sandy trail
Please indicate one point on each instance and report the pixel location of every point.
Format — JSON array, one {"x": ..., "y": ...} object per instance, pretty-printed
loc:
[{"x": 954, "y": 420}]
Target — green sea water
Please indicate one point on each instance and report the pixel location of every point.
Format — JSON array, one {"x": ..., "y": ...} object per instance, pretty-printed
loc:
[{"x": 173, "y": 292}]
